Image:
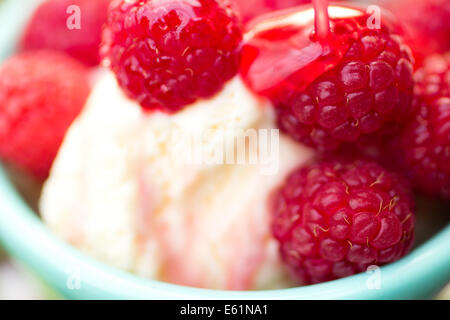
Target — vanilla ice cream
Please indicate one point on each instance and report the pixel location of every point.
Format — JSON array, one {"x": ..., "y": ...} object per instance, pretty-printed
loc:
[{"x": 128, "y": 189}]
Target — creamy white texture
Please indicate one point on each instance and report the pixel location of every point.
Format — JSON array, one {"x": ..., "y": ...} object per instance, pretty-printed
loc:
[{"x": 122, "y": 191}]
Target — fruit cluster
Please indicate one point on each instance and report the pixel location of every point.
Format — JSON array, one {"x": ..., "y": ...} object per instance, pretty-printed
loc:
[
  {"x": 356, "y": 97},
  {"x": 352, "y": 92}
]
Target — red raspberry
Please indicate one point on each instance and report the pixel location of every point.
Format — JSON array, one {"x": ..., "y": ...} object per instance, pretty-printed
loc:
[
  {"x": 333, "y": 219},
  {"x": 427, "y": 23},
  {"x": 426, "y": 139},
  {"x": 48, "y": 29},
  {"x": 362, "y": 85},
  {"x": 41, "y": 92},
  {"x": 167, "y": 54},
  {"x": 433, "y": 79}
]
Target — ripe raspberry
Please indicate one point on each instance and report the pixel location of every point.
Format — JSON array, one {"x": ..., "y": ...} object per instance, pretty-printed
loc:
[
  {"x": 360, "y": 96},
  {"x": 426, "y": 139},
  {"x": 433, "y": 79},
  {"x": 167, "y": 54},
  {"x": 41, "y": 92},
  {"x": 362, "y": 86},
  {"x": 333, "y": 219},
  {"x": 427, "y": 23},
  {"x": 48, "y": 29}
]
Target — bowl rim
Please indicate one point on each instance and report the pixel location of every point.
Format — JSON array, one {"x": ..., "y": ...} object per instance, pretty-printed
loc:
[{"x": 419, "y": 274}]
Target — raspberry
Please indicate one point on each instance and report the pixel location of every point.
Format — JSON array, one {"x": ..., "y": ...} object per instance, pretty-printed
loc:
[
  {"x": 361, "y": 85},
  {"x": 41, "y": 92},
  {"x": 48, "y": 29},
  {"x": 433, "y": 79},
  {"x": 426, "y": 139},
  {"x": 427, "y": 23},
  {"x": 167, "y": 54},
  {"x": 360, "y": 96},
  {"x": 335, "y": 218}
]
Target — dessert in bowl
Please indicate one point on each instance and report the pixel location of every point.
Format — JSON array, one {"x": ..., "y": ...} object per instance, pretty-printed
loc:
[{"x": 122, "y": 188}]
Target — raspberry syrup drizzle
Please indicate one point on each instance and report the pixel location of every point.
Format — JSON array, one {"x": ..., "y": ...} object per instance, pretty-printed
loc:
[
  {"x": 321, "y": 21},
  {"x": 289, "y": 56}
]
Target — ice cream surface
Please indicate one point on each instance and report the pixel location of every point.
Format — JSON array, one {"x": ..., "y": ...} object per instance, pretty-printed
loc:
[{"x": 165, "y": 197}]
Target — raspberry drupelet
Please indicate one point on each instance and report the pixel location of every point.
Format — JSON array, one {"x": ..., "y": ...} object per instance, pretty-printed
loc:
[
  {"x": 356, "y": 82},
  {"x": 41, "y": 93},
  {"x": 426, "y": 139},
  {"x": 166, "y": 54},
  {"x": 335, "y": 218}
]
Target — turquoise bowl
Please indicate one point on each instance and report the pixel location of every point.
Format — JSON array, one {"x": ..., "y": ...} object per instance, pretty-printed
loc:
[{"x": 418, "y": 275}]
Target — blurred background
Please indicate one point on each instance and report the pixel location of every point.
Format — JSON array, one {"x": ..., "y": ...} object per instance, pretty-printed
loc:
[{"x": 16, "y": 282}]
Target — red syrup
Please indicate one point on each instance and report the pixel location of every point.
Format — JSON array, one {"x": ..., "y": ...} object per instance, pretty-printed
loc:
[
  {"x": 288, "y": 57},
  {"x": 332, "y": 80}
]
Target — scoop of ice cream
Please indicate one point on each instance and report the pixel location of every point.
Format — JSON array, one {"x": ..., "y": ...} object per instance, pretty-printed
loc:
[{"x": 182, "y": 198}]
